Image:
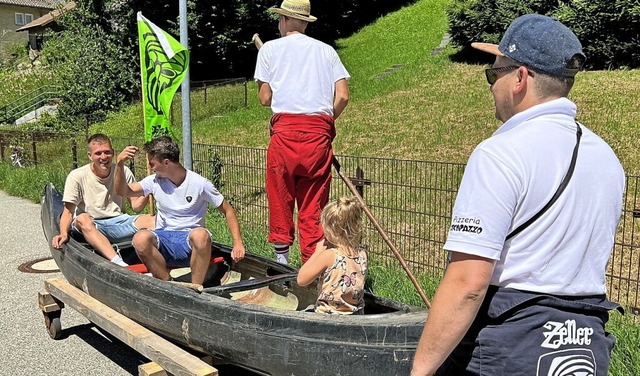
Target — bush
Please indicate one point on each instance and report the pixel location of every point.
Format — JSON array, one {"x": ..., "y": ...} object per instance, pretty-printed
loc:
[
  {"x": 97, "y": 75},
  {"x": 486, "y": 21},
  {"x": 12, "y": 53},
  {"x": 608, "y": 29}
]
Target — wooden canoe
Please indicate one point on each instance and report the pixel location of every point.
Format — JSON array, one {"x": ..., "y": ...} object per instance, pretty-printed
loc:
[{"x": 249, "y": 315}]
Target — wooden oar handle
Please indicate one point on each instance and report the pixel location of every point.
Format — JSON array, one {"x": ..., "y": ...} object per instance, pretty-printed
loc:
[
  {"x": 257, "y": 41},
  {"x": 355, "y": 192}
]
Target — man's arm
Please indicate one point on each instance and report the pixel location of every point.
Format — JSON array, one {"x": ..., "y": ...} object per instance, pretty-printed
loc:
[
  {"x": 238, "y": 251},
  {"x": 120, "y": 180},
  {"x": 319, "y": 261},
  {"x": 264, "y": 93},
  {"x": 138, "y": 203},
  {"x": 65, "y": 225},
  {"x": 455, "y": 306},
  {"x": 341, "y": 98}
]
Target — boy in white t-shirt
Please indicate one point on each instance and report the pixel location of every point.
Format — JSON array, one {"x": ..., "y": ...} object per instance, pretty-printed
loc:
[{"x": 181, "y": 195}]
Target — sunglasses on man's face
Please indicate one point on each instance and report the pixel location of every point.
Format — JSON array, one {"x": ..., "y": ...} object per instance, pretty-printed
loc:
[{"x": 492, "y": 73}]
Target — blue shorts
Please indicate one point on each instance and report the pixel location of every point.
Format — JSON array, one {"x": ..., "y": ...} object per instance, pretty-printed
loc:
[
  {"x": 174, "y": 246},
  {"x": 116, "y": 229}
]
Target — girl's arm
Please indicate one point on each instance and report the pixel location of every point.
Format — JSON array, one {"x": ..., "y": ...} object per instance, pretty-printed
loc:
[{"x": 321, "y": 259}]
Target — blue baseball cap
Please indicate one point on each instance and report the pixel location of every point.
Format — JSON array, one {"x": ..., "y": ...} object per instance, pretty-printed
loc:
[{"x": 540, "y": 42}]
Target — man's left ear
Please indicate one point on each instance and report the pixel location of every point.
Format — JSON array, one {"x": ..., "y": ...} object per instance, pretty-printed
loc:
[{"x": 522, "y": 76}]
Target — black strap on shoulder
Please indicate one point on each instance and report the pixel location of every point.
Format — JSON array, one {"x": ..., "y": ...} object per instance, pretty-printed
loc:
[{"x": 561, "y": 188}]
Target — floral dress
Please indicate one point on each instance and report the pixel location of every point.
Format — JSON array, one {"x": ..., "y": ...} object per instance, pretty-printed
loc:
[{"x": 343, "y": 284}]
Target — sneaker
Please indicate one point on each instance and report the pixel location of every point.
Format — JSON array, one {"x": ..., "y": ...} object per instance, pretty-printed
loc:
[{"x": 118, "y": 261}]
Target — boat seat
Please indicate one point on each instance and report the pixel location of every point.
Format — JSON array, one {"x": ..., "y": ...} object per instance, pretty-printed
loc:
[
  {"x": 250, "y": 284},
  {"x": 142, "y": 268}
]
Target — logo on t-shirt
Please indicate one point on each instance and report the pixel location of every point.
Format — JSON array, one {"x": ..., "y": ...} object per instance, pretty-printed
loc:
[
  {"x": 189, "y": 198},
  {"x": 567, "y": 363},
  {"x": 565, "y": 333},
  {"x": 463, "y": 224}
]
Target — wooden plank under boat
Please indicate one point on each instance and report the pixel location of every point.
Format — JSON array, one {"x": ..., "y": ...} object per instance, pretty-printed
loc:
[{"x": 254, "y": 322}]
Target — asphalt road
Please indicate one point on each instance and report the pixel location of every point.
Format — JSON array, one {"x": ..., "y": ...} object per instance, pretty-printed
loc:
[{"x": 26, "y": 348}]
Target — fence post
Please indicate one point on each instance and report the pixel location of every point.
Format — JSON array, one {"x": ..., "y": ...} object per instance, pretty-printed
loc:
[
  {"x": 360, "y": 181},
  {"x": 246, "y": 95},
  {"x": 34, "y": 149},
  {"x": 2, "y": 146},
  {"x": 205, "y": 93},
  {"x": 74, "y": 153}
]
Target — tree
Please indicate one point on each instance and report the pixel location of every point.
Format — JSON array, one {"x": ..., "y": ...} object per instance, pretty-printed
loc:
[{"x": 93, "y": 70}]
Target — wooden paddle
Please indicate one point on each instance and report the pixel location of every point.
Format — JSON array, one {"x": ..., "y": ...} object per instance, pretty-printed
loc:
[{"x": 384, "y": 235}]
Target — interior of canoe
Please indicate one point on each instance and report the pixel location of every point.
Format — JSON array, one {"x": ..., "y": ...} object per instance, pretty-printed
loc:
[{"x": 256, "y": 281}]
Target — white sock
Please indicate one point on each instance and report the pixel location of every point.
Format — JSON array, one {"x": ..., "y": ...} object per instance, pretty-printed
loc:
[
  {"x": 282, "y": 254},
  {"x": 118, "y": 260},
  {"x": 283, "y": 258}
]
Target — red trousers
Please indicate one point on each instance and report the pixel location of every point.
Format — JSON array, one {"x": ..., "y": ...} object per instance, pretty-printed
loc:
[{"x": 298, "y": 172}]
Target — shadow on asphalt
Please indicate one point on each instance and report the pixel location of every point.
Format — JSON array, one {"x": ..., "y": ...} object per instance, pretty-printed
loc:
[
  {"x": 123, "y": 355},
  {"x": 109, "y": 346}
]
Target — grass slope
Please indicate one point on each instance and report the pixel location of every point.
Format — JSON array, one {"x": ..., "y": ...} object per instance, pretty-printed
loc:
[{"x": 431, "y": 108}]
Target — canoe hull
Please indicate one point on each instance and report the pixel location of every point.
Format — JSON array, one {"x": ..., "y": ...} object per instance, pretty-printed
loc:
[{"x": 267, "y": 340}]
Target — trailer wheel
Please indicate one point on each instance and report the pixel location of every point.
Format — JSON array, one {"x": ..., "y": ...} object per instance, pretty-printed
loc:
[{"x": 53, "y": 324}]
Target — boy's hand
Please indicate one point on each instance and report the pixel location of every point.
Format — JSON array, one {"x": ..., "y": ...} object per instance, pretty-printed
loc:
[
  {"x": 237, "y": 253},
  {"x": 127, "y": 154}
]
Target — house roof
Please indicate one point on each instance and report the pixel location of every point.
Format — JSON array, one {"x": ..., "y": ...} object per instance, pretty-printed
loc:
[
  {"x": 47, "y": 18},
  {"x": 45, "y": 4}
]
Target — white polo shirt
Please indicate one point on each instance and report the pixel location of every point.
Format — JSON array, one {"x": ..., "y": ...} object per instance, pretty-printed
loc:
[
  {"x": 302, "y": 73},
  {"x": 512, "y": 175},
  {"x": 183, "y": 207}
]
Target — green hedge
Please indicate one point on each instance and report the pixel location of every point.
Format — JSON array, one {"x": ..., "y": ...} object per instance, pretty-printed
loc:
[{"x": 608, "y": 29}]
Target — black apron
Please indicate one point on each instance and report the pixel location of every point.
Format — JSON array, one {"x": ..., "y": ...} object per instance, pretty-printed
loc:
[{"x": 525, "y": 333}]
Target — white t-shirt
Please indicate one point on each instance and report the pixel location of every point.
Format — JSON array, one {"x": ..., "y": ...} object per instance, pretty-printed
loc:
[
  {"x": 512, "y": 175},
  {"x": 302, "y": 73},
  {"x": 94, "y": 195},
  {"x": 184, "y": 207}
]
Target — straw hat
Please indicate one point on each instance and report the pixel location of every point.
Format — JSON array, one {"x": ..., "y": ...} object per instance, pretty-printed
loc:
[{"x": 298, "y": 9}]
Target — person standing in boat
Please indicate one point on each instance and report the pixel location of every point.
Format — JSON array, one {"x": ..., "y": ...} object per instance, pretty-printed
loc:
[
  {"x": 339, "y": 259},
  {"x": 305, "y": 84},
  {"x": 180, "y": 237},
  {"x": 532, "y": 228},
  {"x": 93, "y": 209}
]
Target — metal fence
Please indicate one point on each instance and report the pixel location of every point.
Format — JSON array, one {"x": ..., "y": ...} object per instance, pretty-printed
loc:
[{"x": 412, "y": 200}]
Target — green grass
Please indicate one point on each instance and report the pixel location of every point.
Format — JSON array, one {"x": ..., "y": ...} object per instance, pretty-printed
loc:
[
  {"x": 432, "y": 108},
  {"x": 29, "y": 182},
  {"x": 18, "y": 83}
]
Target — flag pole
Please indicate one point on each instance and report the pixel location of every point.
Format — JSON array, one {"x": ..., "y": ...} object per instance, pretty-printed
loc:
[
  {"x": 186, "y": 90},
  {"x": 152, "y": 210}
]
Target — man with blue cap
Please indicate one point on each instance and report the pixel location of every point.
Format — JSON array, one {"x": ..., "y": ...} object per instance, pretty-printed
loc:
[{"x": 532, "y": 228}]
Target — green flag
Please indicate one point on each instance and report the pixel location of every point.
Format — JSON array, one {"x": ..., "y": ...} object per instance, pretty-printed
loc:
[{"x": 163, "y": 65}]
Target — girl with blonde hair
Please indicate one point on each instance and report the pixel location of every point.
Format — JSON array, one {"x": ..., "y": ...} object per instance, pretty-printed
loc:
[{"x": 339, "y": 260}]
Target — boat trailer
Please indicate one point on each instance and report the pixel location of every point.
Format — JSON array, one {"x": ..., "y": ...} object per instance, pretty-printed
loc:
[{"x": 166, "y": 357}]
